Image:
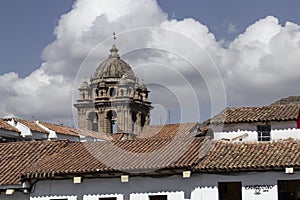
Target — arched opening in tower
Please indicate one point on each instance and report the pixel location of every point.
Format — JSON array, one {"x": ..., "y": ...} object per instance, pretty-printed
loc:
[
  {"x": 112, "y": 122},
  {"x": 133, "y": 118},
  {"x": 93, "y": 118},
  {"x": 112, "y": 92},
  {"x": 143, "y": 121}
]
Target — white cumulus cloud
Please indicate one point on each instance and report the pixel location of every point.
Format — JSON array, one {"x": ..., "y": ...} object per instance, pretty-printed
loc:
[{"x": 180, "y": 59}]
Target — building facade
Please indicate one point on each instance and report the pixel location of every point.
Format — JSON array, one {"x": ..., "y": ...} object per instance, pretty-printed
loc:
[
  {"x": 261, "y": 123},
  {"x": 151, "y": 169}
]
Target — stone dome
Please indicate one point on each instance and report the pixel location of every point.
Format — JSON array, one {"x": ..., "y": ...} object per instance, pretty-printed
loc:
[{"x": 113, "y": 67}]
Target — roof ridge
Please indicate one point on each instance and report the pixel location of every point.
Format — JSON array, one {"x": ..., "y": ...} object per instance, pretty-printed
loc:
[{"x": 262, "y": 106}]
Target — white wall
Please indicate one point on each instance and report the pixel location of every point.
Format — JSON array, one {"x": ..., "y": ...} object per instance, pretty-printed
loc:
[
  {"x": 198, "y": 187},
  {"x": 25, "y": 131},
  {"x": 276, "y": 134},
  {"x": 252, "y": 126},
  {"x": 58, "y": 197}
]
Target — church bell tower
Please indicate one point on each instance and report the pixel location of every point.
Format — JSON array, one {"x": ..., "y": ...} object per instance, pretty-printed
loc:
[{"x": 114, "y": 101}]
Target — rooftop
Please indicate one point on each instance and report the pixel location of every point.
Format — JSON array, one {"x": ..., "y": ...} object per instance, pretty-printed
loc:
[
  {"x": 257, "y": 114},
  {"x": 51, "y": 159},
  {"x": 5, "y": 126},
  {"x": 251, "y": 156}
]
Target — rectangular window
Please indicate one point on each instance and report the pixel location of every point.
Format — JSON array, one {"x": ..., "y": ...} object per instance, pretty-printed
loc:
[
  {"x": 158, "y": 197},
  {"x": 264, "y": 132},
  {"x": 288, "y": 189},
  {"x": 230, "y": 190}
]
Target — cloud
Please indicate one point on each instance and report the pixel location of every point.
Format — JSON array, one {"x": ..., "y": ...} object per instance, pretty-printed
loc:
[
  {"x": 181, "y": 61},
  {"x": 232, "y": 28},
  {"x": 261, "y": 64}
]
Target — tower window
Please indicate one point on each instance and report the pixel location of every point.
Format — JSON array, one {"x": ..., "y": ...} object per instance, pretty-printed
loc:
[
  {"x": 112, "y": 92},
  {"x": 143, "y": 121},
  {"x": 133, "y": 118},
  {"x": 112, "y": 122},
  {"x": 93, "y": 118}
]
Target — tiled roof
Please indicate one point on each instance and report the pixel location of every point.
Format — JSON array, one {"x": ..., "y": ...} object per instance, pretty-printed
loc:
[
  {"x": 60, "y": 129},
  {"x": 257, "y": 114},
  {"x": 143, "y": 155},
  {"x": 30, "y": 124},
  {"x": 65, "y": 130},
  {"x": 17, "y": 156},
  {"x": 167, "y": 130},
  {"x": 229, "y": 156},
  {"x": 118, "y": 136},
  {"x": 93, "y": 134},
  {"x": 4, "y": 125},
  {"x": 63, "y": 158}
]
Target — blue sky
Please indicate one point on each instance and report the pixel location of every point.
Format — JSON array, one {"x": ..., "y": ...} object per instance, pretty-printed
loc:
[
  {"x": 27, "y": 26},
  {"x": 249, "y": 53},
  {"x": 26, "y": 29},
  {"x": 218, "y": 14}
]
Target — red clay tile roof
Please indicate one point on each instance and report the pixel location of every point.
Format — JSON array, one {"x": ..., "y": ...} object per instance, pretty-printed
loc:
[
  {"x": 4, "y": 125},
  {"x": 143, "y": 155},
  {"x": 63, "y": 158},
  {"x": 60, "y": 129},
  {"x": 257, "y": 114},
  {"x": 65, "y": 130},
  {"x": 17, "y": 156},
  {"x": 168, "y": 130},
  {"x": 30, "y": 124},
  {"x": 228, "y": 156},
  {"x": 93, "y": 134},
  {"x": 118, "y": 136}
]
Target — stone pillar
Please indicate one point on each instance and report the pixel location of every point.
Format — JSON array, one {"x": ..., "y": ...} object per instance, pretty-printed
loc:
[
  {"x": 147, "y": 123},
  {"x": 138, "y": 123},
  {"x": 101, "y": 121}
]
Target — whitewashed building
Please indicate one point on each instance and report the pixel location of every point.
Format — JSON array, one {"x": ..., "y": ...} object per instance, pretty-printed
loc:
[
  {"x": 15, "y": 129},
  {"x": 262, "y": 123}
]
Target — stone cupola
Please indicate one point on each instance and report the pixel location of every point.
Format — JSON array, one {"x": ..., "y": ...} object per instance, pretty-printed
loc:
[{"x": 114, "y": 101}]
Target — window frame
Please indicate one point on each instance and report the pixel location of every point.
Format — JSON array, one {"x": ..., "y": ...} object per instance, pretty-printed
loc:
[{"x": 263, "y": 133}]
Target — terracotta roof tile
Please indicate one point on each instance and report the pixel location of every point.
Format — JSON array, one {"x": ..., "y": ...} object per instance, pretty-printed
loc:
[
  {"x": 17, "y": 156},
  {"x": 168, "y": 130},
  {"x": 60, "y": 129},
  {"x": 143, "y": 155},
  {"x": 256, "y": 114},
  {"x": 48, "y": 159},
  {"x": 93, "y": 134},
  {"x": 30, "y": 124},
  {"x": 4, "y": 125},
  {"x": 229, "y": 156}
]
